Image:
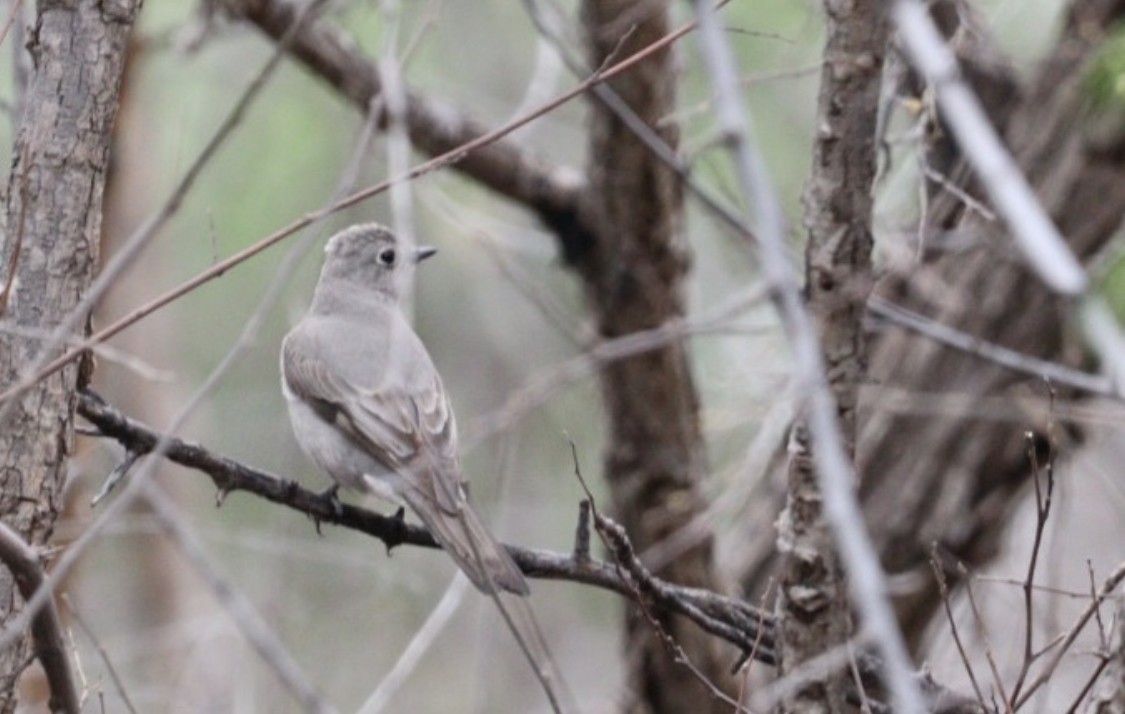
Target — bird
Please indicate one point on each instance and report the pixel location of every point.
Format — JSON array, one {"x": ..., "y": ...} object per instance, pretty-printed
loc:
[{"x": 368, "y": 406}]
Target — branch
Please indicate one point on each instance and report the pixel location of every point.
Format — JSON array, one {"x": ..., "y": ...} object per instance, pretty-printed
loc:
[
  {"x": 813, "y": 610},
  {"x": 739, "y": 623},
  {"x": 743, "y": 625},
  {"x": 50, "y": 645},
  {"x": 505, "y": 167}
]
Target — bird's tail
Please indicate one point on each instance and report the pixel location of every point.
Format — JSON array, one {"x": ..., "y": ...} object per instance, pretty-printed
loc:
[{"x": 464, "y": 536}]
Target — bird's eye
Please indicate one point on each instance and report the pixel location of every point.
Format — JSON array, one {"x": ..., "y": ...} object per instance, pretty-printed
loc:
[{"x": 387, "y": 257}]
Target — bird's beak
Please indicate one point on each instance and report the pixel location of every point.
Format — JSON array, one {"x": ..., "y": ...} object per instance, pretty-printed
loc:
[{"x": 423, "y": 252}]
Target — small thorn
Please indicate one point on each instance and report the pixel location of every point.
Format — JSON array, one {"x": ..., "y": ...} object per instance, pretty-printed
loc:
[
  {"x": 582, "y": 532},
  {"x": 115, "y": 476},
  {"x": 397, "y": 534}
]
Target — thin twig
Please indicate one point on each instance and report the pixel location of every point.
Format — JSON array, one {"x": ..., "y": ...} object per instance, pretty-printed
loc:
[
  {"x": 113, "y": 675},
  {"x": 241, "y": 610},
  {"x": 1042, "y": 512},
  {"x": 419, "y": 644},
  {"x": 943, "y": 589},
  {"x": 1035, "y": 234},
  {"x": 997, "y": 680},
  {"x": 647, "y": 592},
  {"x": 1111, "y": 583},
  {"x": 1003, "y": 356},
  {"x": 1037, "y": 238}
]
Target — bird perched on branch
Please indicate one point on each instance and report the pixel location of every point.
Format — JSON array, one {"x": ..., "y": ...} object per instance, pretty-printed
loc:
[{"x": 368, "y": 405}]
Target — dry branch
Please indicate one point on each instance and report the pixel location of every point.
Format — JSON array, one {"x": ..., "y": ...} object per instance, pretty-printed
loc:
[
  {"x": 746, "y": 627},
  {"x": 551, "y": 192},
  {"x": 738, "y": 622}
]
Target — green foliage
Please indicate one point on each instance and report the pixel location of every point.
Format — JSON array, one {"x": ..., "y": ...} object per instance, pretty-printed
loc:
[{"x": 1104, "y": 83}]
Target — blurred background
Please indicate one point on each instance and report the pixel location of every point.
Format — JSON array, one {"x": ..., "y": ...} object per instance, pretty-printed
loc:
[{"x": 504, "y": 323}]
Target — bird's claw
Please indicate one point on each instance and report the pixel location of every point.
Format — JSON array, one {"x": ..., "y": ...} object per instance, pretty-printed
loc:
[{"x": 331, "y": 499}]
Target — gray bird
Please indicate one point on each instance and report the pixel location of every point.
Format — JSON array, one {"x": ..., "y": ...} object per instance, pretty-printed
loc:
[{"x": 368, "y": 406}]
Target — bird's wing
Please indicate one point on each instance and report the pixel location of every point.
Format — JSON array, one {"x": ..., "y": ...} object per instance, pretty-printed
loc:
[{"x": 406, "y": 424}]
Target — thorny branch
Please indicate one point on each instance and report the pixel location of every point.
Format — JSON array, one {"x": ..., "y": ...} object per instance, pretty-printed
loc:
[
  {"x": 735, "y": 621},
  {"x": 749, "y": 628}
]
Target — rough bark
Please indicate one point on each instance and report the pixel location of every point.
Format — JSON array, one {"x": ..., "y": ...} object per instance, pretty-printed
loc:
[
  {"x": 633, "y": 273},
  {"x": 812, "y": 607},
  {"x": 50, "y": 248}
]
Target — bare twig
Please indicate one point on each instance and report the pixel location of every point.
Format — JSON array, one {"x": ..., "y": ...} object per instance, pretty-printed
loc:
[
  {"x": 1033, "y": 230},
  {"x": 997, "y": 680},
  {"x": 435, "y": 129},
  {"x": 419, "y": 644},
  {"x": 545, "y": 384},
  {"x": 743, "y": 625},
  {"x": 1037, "y": 238},
  {"x": 1109, "y": 697},
  {"x": 1115, "y": 578},
  {"x": 943, "y": 587},
  {"x": 113, "y": 675},
  {"x": 647, "y": 591},
  {"x": 1042, "y": 512},
  {"x": 50, "y": 645},
  {"x": 1012, "y": 359},
  {"x": 241, "y": 610},
  {"x": 13, "y": 13}
]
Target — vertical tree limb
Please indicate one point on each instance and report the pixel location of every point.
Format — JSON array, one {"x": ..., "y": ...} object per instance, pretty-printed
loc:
[
  {"x": 813, "y": 607},
  {"x": 61, "y": 155},
  {"x": 633, "y": 273}
]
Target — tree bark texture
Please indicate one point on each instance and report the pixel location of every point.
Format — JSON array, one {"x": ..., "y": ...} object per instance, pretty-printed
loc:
[
  {"x": 633, "y": 273},
  {"x": 50, "y": 249},
  {"x": 813, "y": 613}
]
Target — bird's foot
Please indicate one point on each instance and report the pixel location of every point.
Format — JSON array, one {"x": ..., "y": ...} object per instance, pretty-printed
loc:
[
  {"x": 397, "y": 534},
  {"x": 331, "y": 499}
]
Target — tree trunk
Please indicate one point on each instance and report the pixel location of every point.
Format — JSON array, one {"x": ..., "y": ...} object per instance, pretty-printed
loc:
[
  {"x": 50, "y": 251},
  {"x": 633, "y": 273},
  {"x": 813, "y": 614}
]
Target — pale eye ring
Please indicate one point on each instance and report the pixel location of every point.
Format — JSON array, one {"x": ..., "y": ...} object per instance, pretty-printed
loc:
[{"x": 387, "y": 257}]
